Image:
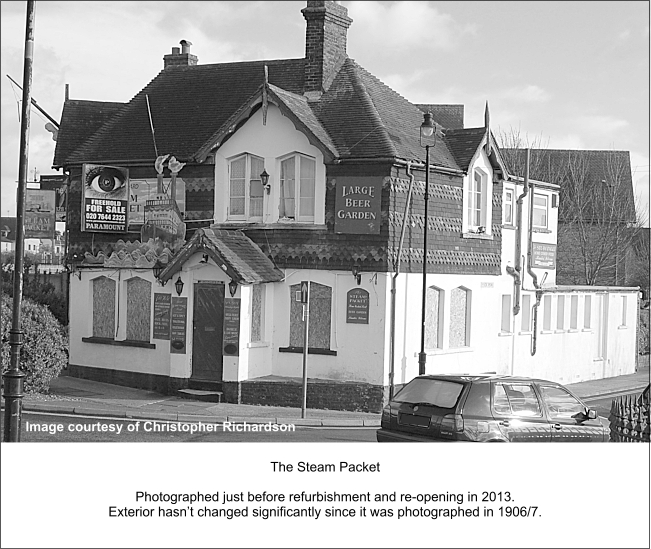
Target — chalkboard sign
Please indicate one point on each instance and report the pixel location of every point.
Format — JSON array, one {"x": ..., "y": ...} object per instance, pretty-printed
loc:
[
  {"x": 357, "y": 306},
  {"x": 178, "y": 325},
  {"x": 232, "y": 327},
  {"x": 162, "y": 306}
]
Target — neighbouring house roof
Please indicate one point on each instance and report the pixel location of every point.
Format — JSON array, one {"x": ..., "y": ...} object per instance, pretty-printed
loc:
[
  {"x": 236, "y": 254},
  {"x": 448, "y": 116},
  {"x": 599, "y": 167},
  {"x": 79, "y": 121},
  {"x": 194, "y": 107}
]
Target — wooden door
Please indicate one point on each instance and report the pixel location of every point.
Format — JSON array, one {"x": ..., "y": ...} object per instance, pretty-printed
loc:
[{"x": 208, "y": 328}]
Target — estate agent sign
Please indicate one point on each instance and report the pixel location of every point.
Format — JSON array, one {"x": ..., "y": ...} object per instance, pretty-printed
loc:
[
  {"x": 358, "y": 205},
  {"x": 105, "y": 198},
  {"x": 544, "y": 255}
]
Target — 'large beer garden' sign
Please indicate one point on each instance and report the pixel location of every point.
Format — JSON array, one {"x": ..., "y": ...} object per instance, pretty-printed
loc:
[{"x": 358, "y": 205}]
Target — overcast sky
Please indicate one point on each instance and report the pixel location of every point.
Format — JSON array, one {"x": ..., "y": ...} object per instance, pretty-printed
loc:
[{"x": 573, "y": 74}]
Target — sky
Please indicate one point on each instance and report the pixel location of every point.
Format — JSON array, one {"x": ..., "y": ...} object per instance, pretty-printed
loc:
[{"x": 563, "y": 75}]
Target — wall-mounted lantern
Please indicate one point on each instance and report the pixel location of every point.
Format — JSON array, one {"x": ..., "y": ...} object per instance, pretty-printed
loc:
[
  {"x": 179, "y": 285},
  {"x": 157, "y": 269},
  {"x": 357, "y": 274},
  {"x": 232, "y": 287},
  {"x": 264, "y": 177}
]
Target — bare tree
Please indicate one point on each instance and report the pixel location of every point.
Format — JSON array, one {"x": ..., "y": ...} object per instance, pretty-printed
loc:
[{"x": 597, "y": 215}]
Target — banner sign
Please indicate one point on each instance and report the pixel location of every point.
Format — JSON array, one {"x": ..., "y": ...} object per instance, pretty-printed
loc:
[
  {"x": 358, "y": 205},
  {"x": 178, "y": 325},
  {"x": 58, "y": 184},
  {"x": 231, "y": 327},
  {"x": 357, "y": 306},
  {"x": 105, "y": 198},
  {"x": 544, "y": 255},
  {"x": 162, "y": 312},
  {"x": 39, "y": 213},
  {"x": 142, "y": 190}
]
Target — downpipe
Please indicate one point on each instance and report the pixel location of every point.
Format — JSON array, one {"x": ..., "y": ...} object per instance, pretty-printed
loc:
[{"x": 392, "y": 337}]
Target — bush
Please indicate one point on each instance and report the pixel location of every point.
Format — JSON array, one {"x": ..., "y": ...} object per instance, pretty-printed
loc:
[
  {"x": 40, "y": 292},
  {"x": 44, "y": 352}
]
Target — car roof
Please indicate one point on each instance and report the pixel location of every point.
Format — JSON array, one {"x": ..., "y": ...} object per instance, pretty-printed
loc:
[{"x": 464, "y": 378}]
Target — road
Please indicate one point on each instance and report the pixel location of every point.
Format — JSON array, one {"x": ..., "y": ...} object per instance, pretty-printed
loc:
[
  {"x": 39, "y": 427},
  {"x": 602, "y": 404}
]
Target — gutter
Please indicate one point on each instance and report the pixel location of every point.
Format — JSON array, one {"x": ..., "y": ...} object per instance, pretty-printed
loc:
[
  {"x": 392, "y": 335},
  {"x": 401, "y": 162}
]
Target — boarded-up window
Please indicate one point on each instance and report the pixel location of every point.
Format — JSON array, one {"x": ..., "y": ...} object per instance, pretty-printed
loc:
[
  {"x": 459, "y": 317},
  {"x": 526, "y": 313},
  {"x": 434, "y": 318},
  {"x": 138, "y": 309},
  {"x": 320, "y": 316},
  {"x": 257, "y": 293},
  {"x": 104, "y": 307}
]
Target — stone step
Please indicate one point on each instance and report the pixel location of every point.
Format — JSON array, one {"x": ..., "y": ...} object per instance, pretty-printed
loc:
[{"x": 198, "y": 394}]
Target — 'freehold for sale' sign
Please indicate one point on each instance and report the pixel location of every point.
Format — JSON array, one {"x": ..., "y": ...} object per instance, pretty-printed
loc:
[{"x": 105, "y": 198}]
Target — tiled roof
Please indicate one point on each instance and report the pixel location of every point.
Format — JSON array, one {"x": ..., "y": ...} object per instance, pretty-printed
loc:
[
  {"x": 464, "y": 144},
  {"x": 188, "y": 104},
  {"x": 192, "y": 106},
  {"x": 232, "y": 251},
  {"x": 553, "y": 165},
  {"x": 79, "y": 121},
  {"x": 448, "y": 116}
]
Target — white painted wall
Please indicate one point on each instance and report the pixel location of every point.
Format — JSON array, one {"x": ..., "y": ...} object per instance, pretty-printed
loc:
[{"x": 272, "y": 141}]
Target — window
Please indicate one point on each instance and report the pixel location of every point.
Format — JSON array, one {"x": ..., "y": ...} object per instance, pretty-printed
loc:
[
  {"x": 515, "y": 400},
  {"x": 104, "y": 307},
  {"x": 526, "y": 313},
  {"x": 320, "y": 316},
  {"x": 574, "y": 312},
  {"x": 508, "y": 207},
  {"x": 624, "y": 303},
  {"x": 434, "y": 318},
  {"x": 246, "y": 191},
  {"x": 506, "y": 313},
  {"x": 297, "y": 188},
  {"x": 547, "y": 313},
  {"x": 560, "y": 403},
  {"x": 476, "y": 194},
  {"x": 560, "y": 312},
  {"x": 257, "y": 313},
  {"x": 540, "y": 211},
  {"x": 460, "y": 317},
  {"x": 138, "y": 309},
  {"x": 587, "y": 312}
]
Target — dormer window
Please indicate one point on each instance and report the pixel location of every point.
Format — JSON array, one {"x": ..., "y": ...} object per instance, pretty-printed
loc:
[
  {"x": 478, "y": 190},
  {"x": 246, "y": 192},
  {"x": 297, "y": 188}
]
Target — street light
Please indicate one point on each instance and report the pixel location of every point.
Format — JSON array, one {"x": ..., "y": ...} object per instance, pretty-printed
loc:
[{"x": 427, "y": 139}]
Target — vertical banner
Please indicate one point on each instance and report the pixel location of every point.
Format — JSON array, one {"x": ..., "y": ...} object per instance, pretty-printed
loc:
[
  {"x": 40, "y": 213},
  {"x": 105, "y": 198},
  {"x": 162, "y": 311},
  {"x": 232, "y": 327},
  {"x": 357, "y": 306},
  {"x": 178, "y": 325},
  {"x": 58, "y": 184}
]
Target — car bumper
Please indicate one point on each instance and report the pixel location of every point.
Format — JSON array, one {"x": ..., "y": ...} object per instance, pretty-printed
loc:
[{"x": 386, "y": 435}]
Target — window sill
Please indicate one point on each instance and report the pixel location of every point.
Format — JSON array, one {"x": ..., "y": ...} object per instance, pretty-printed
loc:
[
  {"x": 310, "y": 351},
  {"x": 525, "y": 333},
  {"x": 257, "y": 344},
  {"x": 504, "y": 334},
  {"x": 559, "y": 331},
  {"x": 510, "y": 227},
  {"x": 478, "y": 236},
  {"x": 545, "y": 332},
  {"x": 589, "y": 330},
  {"x": 448, "y": 351},
  {"x": 123, "y": 343},
  {"x": 541, "y": 230},
  {"x": 573, "y": 331},
  {"x": 622, "y": 327}
]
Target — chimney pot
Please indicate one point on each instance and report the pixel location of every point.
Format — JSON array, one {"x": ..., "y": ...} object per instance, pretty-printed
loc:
[
  {"x": 176, "y": 51},
  {"x": 185, "y": 45},
  {"x": 180, "y": 57}
]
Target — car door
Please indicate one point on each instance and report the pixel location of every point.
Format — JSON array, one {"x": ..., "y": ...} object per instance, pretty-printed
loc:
[
  {"x": 517, "y": 410},
  {"x": 566, "y": 413}
]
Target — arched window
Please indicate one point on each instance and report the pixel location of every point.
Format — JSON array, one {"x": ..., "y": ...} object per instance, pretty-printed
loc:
[
  {"x": 104, "y": 307},
  {"x": 138, "y": 309},
  {"x": 460, "y": 306},
  {"x": 434, "y": 318}
]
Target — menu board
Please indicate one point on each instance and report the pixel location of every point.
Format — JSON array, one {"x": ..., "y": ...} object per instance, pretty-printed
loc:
[
  {"x": 231, "y": 326},
  {"x": 178, "y": 324},
  {"x": 357, "y": 306},
  {"x": 162, "y": 310}
]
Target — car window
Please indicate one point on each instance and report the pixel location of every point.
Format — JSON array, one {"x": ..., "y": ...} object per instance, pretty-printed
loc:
[
  {"x": 516, "y": 399},
  {"x": 560, "y": 403},
  {"x": 436, "y": 392}
]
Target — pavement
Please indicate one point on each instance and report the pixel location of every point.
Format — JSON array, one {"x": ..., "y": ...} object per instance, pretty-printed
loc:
[{"x": 72, "y": 395}]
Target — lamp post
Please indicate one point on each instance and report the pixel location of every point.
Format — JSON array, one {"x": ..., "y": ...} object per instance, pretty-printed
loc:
[{"x": 427, "y": 139}]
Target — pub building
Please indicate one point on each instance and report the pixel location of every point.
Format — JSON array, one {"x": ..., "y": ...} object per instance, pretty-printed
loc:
[{"x": 265, "y": 178}]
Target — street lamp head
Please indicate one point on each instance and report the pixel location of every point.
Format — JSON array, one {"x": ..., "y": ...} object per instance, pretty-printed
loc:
[{"x": 427, "y": 128}]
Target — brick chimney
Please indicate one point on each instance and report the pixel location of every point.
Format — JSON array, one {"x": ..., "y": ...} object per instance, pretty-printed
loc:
[
  {"x": 325, "y": 43},
  {"x": 180, "y": 57}
]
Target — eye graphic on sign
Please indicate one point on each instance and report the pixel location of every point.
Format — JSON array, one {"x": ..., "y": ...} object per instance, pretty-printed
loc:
[{"x": 105, "y": 182}]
